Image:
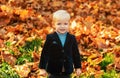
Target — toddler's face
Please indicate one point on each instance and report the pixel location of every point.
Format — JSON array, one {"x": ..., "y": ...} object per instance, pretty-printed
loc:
[{"x": 61, "y": 26}]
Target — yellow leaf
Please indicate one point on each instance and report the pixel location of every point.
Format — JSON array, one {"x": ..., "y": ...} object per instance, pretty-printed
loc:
[
  {"x": 23, "y": 14},
  {"x": 6, "y": 9}
]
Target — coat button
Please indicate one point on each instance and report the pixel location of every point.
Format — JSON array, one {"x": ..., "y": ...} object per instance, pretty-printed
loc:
[
  {"x": 62, "y": 51},
  {"x": 64, "y": 60}
]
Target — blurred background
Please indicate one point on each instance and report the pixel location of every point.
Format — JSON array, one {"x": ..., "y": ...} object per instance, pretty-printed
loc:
[{"x": 24, "y": 25}]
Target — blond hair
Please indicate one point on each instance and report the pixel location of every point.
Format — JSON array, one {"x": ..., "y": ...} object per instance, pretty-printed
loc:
[{"x": 61, "y": 15}]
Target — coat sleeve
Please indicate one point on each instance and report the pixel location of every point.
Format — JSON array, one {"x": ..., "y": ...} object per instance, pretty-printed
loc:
[
  {"x": 76, "y": 54},
  {"x": 44, "y": 54}
]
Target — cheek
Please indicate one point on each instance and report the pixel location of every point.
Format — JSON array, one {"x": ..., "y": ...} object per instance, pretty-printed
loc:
[
  {"x": 66, "y": 27},
  {"x": 57, "y": 27}
]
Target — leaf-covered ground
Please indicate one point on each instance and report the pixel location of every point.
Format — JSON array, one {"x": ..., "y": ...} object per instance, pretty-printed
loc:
[{"x": 24, "y": 25}]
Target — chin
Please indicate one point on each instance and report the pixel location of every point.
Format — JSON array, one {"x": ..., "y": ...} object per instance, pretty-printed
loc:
[{"x": 62, "y": 32}]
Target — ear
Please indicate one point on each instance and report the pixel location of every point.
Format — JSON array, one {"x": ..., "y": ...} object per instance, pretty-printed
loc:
[{"x": 53, "y": 24}]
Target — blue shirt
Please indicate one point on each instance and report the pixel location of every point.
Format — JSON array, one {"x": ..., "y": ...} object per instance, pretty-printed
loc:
[{"x": 62, "y": 37}]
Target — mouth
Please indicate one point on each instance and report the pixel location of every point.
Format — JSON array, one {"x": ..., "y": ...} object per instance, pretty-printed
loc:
[{"x": 62, "y": 29}]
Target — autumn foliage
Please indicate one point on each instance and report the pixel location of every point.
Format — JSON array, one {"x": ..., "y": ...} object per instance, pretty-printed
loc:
[{"x": 24, "y": 25}]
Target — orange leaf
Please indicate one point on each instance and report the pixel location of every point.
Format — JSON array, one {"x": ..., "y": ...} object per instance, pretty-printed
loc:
[{"x": 24, "y": 14}]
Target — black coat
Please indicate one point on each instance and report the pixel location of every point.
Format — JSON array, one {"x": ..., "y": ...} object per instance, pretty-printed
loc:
[{"x": 54, "y": 56}]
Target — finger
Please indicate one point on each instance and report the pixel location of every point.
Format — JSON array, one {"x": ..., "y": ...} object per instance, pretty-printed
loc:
[{"x": 44, "y": 75}]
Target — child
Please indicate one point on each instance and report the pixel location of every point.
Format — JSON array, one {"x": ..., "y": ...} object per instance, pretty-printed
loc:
[{"x": 60, "y": 52}]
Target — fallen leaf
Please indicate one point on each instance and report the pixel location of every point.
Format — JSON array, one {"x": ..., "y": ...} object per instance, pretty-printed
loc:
[{"x": 9, "y": 58}]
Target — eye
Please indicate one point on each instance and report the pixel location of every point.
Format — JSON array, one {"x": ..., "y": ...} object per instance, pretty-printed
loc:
[
  {"x": 65, "y": 23},
  {"x": 58, "y": 23}
]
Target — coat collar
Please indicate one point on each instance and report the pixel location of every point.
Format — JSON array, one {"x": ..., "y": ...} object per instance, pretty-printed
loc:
[{"x": 58, "y": 40}]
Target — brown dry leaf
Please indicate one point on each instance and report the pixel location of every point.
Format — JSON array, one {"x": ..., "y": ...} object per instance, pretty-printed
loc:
[
  {"x": 85, "y": 53},
  {"x": 2, "y": 32},
  {"x": 116, "y": 51},
  {"x": 81, "y": 0},
  {"x": 84, "y": 66},
  {"x": 43, "y": 20},
  {"x": 116, "y": 20},
  {"x": 4, "y": 18},
  {"x": 9, "y": 58},
  {"x": 110, "y": 66},
  {"x": 16, "y": 11},
  {"x": 89, "y": 22},
  {"x": 19, "y": 28},
  {"x": 69, "y": 4},
  {"x": 57, "y": 3},
  {"x": 36, "y": 56},
  {"x": 45, "y": 2},
  {"x": 94, "y": 31},
  {"x": 99, "y": 73},
  {"x": 86, "y": 40},
  {"x": 117, "y": 64},
  {"x": 10, "y": 37},
  {"x": 21, "y": 40},
  {"x": 77, "y": 35},
  {"x": 10, "y": 29},
  {"x": 22, "y": 14},
  {"x": 35, "y": 66},
  {"x": 89, "y": 19},
  {"x": 101, "y": 43},
  {"x": 1, "y": 43}
]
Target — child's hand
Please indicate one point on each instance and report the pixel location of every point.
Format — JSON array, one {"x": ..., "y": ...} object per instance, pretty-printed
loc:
[
  {"x": 43, "y": 72},
  {"x": 78, "y": 71}
]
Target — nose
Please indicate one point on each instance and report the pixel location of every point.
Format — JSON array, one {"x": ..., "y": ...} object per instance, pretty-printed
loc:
[{"x": 62, "y": 25}]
